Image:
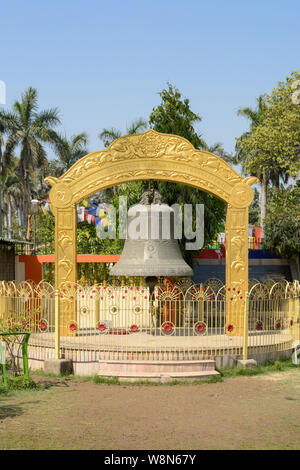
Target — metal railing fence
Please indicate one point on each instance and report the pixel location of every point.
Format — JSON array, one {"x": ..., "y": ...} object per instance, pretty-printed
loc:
[{"x": 176, "y": 322}]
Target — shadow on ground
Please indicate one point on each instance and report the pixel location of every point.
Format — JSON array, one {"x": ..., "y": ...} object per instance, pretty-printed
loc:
[
  {"x": 10, "y": 412},
  {"x": 45, "y": 384}
]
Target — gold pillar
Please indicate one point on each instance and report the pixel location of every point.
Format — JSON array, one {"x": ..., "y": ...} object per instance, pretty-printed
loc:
[
  {"x": 66, "y": 265},
  {"x": 236, "y": 268}
]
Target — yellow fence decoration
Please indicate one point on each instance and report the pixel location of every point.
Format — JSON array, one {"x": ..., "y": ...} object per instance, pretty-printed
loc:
[{"x": 186, "y": 321}]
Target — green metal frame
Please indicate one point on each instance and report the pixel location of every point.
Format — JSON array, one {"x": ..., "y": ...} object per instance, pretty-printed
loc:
[{"x": 24, "y": 356}]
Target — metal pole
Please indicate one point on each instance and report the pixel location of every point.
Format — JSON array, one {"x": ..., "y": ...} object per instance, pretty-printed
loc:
[
  {"x": 57, "y": 326},
  {"x": 104, "y": 274},
  {"x": 34, "y": 233},
  {"x": 245, "y": 329},
  {"x": 25, "y": 357}
]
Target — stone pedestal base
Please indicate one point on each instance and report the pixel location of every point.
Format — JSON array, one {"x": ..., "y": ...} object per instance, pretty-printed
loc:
[
  {"x": 58, "y": 366},
  {"x": 247, "y": 364},
  {"x": 157, "y": 371}
]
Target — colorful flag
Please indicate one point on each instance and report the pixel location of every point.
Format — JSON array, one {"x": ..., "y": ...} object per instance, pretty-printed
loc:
[{"x": 89, "y": 212}]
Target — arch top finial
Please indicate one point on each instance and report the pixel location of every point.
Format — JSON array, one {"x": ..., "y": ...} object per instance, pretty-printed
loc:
[{"x": 51, "y": 180}]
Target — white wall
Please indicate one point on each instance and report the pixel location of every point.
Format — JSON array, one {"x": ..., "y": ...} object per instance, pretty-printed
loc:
[{"x": 19, "y": 270}]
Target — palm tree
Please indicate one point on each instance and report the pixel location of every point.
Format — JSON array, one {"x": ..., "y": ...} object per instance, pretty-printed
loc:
[
  {"x": 11, "y": 194},
  {"x": 29, "y": 129},
  {"x": 218, "y": 149},
  {"x": 255, "y": 116},
  {"x": 70, "y": 150},
  {"x": 109, "y": 135},
  {"x": 4, "y": 162},
  {"x": 2, "y": 129}
]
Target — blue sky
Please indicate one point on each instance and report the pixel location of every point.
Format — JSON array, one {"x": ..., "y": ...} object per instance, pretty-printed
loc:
[{"x": 102, "y": 63}]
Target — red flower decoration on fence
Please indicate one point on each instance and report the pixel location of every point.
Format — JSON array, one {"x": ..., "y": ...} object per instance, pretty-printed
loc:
[
  {"x": 73, "y": 326},
  {"x": 230, "y": 328},
  {"x": 200, "y": 328},
  {"x": 259, "y": 326},
  {"x": 101, "y": 327},
  {"x": 134, "y": 328},
  {"x": 43, "y": 325},
  {"x": 278, "y": 325},
  {"x": 168, "y": 327}
]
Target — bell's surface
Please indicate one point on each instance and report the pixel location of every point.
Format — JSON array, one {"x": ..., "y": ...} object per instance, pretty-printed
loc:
[{"x": 150, "y": 248}]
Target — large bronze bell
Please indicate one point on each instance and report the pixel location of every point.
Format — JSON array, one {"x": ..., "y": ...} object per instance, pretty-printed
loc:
[{"x": 154, "y": 251}]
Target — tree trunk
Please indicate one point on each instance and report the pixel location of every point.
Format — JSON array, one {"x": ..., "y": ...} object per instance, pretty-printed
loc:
[
  {"x": 26, "y": 208},
  {"x": 263, "y": 198},
  {"x": 23, "y": 201},
  {"x": 277, "y": 179},
  {"x": 9, "y": 219},
  {"x": 0, "y": 210},
  {"x": 26, "y": 199},
  {"x": 0, "y": 191},
  {"x": 28, "y": 231},
  {"x": 19, "y": 217}
]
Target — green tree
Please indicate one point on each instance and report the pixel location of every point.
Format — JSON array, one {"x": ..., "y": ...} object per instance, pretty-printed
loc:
[
  {"x": 254, "y": 209},
  {"x": 273, "y": 146},
  {"x": 174, "y": 116},
  {"x": 277, "y": 139},
  {"x": 255, "y": 117},
  {"x": 5, "y": 160},
  {"x": 108, "y": 135},
  {"x": 45, "y": 232},
  {"x": 69, "y": 151},
  {"x": 218, "y": 149},
  {"x": 282, "y": 222},
  {"x": 30, "y": 129},
  {"x": 12, "y": 195}
]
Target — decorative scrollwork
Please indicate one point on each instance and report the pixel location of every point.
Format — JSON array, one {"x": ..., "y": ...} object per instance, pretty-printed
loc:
[
  {"x": 259, "y": 292},
  {"x": 214, "y": 284},
  {"x": 277, "y": 291}
]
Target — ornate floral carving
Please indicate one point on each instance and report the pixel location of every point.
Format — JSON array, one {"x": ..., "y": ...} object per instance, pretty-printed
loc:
[
  {"x": 152, "y": 145},
  {"x": 241, "y": 195},
  {"x": 67, "y": 267},
  {"x": 237, "y": 244},
  {"x": 60, "y": 195},
  {"x": 64, "y": 240}
]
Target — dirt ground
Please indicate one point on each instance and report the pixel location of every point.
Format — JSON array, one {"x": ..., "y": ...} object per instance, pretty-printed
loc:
[{"x": 260, "y": 412}]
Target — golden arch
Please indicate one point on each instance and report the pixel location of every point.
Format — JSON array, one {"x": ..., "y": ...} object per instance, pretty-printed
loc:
[{"x": 152, "y": 155}]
